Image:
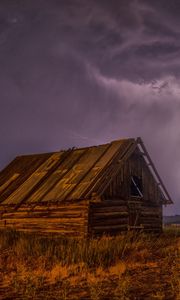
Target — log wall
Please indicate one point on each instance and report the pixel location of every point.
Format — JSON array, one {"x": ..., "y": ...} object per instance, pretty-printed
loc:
[
  {"x": 114, "y": 216},
  {"x": 108, "y": 217},
  {"x": 82, "y": 219},
  {"x": 67, "y": 220},
  {"x": 151, "y": 218}
]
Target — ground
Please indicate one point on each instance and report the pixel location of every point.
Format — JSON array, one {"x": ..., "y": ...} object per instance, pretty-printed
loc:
[{"x": 129, "y": 266}]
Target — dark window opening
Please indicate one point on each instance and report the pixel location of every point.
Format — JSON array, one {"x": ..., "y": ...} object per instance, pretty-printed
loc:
[{"x": 136, "y": 186}]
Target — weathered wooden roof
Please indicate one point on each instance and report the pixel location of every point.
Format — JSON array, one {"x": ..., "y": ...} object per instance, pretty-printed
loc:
[
  {"x": 64, "y": 175},
  {"x": 56, "y": 176}
]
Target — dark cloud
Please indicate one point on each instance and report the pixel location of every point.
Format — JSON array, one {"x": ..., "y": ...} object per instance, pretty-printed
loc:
[{"x": 82, "y": 72}]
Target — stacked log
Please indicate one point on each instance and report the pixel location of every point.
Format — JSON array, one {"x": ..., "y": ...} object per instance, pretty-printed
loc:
[
  {"x": 151, "y": 218},
  {"x": 67, "y": 220},
  {"x": 108, "y": 217}
]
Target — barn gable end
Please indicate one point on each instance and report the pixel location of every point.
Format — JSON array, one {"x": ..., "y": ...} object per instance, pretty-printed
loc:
[{"x": 126, "y": 206}]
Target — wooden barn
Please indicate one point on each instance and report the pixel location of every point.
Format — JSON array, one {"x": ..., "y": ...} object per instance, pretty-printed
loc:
[{"x": 83, "y": 192}]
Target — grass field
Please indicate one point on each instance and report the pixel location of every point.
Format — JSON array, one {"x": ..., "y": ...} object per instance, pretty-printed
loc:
[{"x": 130, "y": 266}]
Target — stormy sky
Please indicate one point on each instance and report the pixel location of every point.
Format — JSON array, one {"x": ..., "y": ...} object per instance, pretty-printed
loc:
[{"x": 85, "y": 72}]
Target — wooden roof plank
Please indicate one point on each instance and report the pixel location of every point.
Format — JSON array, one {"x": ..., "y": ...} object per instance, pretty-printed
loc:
[
  {"x": 71, "y": 179},
  {"x": 56, "y": 176},
  {"x": 23, "y": 165}
]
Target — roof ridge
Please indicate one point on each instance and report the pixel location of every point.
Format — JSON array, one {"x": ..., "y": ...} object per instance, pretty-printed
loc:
[{"x": 71, "y": 148}]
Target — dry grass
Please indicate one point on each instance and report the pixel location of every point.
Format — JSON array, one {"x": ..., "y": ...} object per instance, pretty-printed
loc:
[{"x": 130, "y": 266}]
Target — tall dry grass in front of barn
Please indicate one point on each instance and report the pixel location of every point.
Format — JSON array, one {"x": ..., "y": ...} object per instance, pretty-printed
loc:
[{"x": 123, "y": 267}]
